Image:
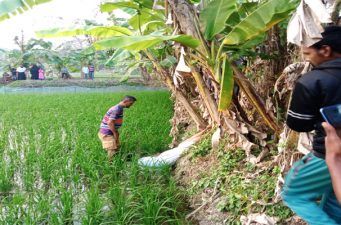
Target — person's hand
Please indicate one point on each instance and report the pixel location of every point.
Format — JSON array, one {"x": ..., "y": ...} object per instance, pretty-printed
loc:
[{"x": 332, "y": 142}]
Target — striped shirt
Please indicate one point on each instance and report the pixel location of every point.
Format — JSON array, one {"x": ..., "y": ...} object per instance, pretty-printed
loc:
[
  {"x": 91, "y": 69},
  {"x": 114, "y": 113}
]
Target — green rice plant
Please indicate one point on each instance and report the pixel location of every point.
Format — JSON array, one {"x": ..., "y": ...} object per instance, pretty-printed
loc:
[
  {"x": 6, "y": 176},
  {"x": 66, "y": 201},
  {"x": 123, "y": 211},
  {"x": 14, "y": 208},
  {"x": 153, "y": 206},
  {"x": 60, "y": 174},
  {"x": 93, "y": 208},
  {"x": 41, "y": 209}
]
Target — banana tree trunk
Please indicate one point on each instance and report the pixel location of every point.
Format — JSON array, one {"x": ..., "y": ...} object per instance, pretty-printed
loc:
[
  {"x": 201, "y": 124},
  {"x": 206, "y": 96},
  {"x": 254, "y": 98},
  {"x": 185, "y": 15}
]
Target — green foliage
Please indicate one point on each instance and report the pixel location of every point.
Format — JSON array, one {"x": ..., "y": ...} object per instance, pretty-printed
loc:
[
  {"x": 34, "y": 51},
  {"x": 231, "y": 159},
  {"x": 13, "y": 7},
  {"x": 202, "y": 149},
  {"x": 138, "y": 43},
  {"x": 214, "y": 16},
  {"x": 6, "y": 177},
  {"x": 244, "y": 187},
  {"x": 259, "y": 21},
  {"x": 145, "y": 18},
  {"x": 236, "y": 27},
  {"x": 226, "y": 85},
  {"x": 119, "y": 55},
  {"x": 96, "y": 31},
  {"x": 135, "y": 4},
  {"x": 168, "y": 62},
  {"x": 53, "y": 165},
  {"x": 110, "y": 6}
]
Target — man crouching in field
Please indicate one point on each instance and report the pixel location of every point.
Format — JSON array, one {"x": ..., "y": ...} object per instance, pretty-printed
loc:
[{"x": 112, "y": 121}]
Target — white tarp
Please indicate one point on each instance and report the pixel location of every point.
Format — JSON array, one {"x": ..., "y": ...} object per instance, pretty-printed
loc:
[
  {"x": 305, "y": 27},
  {"x": 169, "y": 157}
]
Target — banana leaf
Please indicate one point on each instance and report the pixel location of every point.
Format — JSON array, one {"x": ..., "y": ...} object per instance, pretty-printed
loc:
[
  {"x": 214, "y": 16},
  {"x": 135, "y": 4},
  {"x": 226, "y": 88},
  {"x": 249, "y": 43},
  {"x": 118, "y": 56},
  {"x": 110, "y": 6},
  {"x": 98, "y": 31},
  {"x": 88, "y": 51},
  {"x": 14, "y": 7},
  {"x": 152, "y": 25},
  {"x": 145, "y": 16},
  {"x": 169, "y": 61},
  {"x": 145, "y": 3},
  {"x": 260, "y": 20},
  {"x": 138, "y": 43}
]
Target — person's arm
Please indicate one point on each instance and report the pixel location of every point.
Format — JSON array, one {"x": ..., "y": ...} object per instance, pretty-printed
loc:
[
  {"x": 333, "y": 157},
  {"x": 111, "y": 125},
  {"x": 303, "y": 108}
]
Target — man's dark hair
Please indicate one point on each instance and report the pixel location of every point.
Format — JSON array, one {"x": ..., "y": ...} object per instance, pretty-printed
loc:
[
  {"x": 331, "y": 37},
  {"x": 129, "y": 98}
]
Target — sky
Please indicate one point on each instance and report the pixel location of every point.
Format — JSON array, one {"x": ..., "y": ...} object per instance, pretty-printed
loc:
[{"x": 57, "y": 13}]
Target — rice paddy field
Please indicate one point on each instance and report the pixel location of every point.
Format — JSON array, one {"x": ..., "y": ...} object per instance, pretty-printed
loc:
[{"x": 54, "y": 171}]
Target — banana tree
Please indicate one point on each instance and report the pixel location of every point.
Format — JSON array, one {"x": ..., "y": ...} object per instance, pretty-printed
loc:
[
  {"x": 228, "y": 28},
  {"x": 234, "y": 27}
]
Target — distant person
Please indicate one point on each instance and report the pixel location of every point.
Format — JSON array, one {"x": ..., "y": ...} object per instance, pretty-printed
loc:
[
  {"x": 6, "y": 77},
  {"x": 41, "y": 74},
  {"x": 21, "y": 72},
  {"x": 13, "y": 73},
  {"x": 91, "y": 71},
  {"x": 85, "y": 71},
  {"x": 308, "y": 187},
  {"x": 333, "y": 156},
  {"x": 34, "y": 70},
  {"x": 65, "y": 72},
  {"x": 112, "y": 121}
]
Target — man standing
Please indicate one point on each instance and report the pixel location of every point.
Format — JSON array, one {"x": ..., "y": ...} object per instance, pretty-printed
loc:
[
  {"x": 21, "y": 72},
  {"x": 34, "y": 70},
  {"x": 13, "y": 72},
  {"x": 91, "y": 71},
  {"x": 85, "y": 71},
  {"x": 112, "y": 121},
  {"x": 65, "y": 73},
  {"x": 308, "y": 181}
]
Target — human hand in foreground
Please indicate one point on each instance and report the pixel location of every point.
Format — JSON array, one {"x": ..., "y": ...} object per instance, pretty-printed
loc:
[
  {"x": 333, "y": 157},
  {"x": 332, "y": 141}
]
